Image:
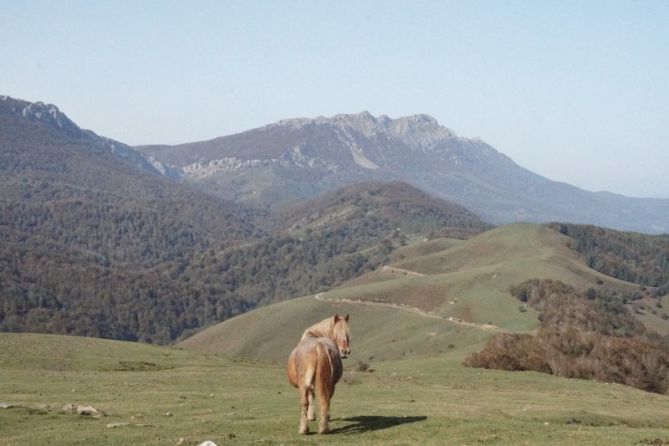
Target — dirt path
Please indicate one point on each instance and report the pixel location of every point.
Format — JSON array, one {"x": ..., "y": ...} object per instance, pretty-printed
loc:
[
  {"x": 392, "y": 269},
  {"x": 418, "y": 311}
]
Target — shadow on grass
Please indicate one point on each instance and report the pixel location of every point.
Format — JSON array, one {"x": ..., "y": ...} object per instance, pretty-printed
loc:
[{"x": 373, "y": 423}]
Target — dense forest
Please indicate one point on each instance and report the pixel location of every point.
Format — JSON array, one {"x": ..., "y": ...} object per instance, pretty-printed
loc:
[
  {"x": 91, "y": 242},
  {"x": 587, "y": 336},
  {"x": 629, "y": 256},
  {"x": 135, "y": 272},
  {"x": 409, "y": 209}
]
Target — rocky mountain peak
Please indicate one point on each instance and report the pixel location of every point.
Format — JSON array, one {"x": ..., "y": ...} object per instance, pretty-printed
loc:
[
  {"x": 421, "y": 130},
  {"x": 416, "y": 130},
  {"x": 50, "y": 115}
]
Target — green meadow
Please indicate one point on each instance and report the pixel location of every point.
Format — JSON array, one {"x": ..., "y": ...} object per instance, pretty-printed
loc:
[{"x": 166, "y": 396}]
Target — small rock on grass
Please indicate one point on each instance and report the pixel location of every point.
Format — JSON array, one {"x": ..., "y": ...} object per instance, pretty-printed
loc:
[
  {"x": 88, "y": 410},
  {"x": 83, "y": 410}
]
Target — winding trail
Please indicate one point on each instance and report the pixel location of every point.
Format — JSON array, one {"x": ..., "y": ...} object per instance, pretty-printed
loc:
[
  {"x": 418, "y": 311},
  {"x": 392, "y": 269}
]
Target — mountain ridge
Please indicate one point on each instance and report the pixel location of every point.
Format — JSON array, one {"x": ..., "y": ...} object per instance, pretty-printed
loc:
[
  {"x": 298, "y": 158},
  {"x": 51, "y": 117}
]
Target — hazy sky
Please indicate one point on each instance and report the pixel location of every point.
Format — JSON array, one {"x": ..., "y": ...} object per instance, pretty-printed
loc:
[{"x": 575, "y": 91}]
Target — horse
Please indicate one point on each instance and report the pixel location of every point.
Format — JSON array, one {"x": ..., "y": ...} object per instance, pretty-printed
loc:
[{"x": 315, "y": 365}]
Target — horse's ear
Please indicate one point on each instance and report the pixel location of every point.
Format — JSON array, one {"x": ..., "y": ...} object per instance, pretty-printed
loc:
[
  {"x": 346, "y": 317},
  {"x": 336, "y": 318}
]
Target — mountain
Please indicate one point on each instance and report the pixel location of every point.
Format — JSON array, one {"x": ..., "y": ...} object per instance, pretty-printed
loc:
[
  {"x": 95, "y": 241},
  {"x": 298, "y": 158},
  {"x": 47, "y": 116}
]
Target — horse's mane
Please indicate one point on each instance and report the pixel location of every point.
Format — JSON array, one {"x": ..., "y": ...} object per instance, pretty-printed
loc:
[{"x": 319, "y": 329}]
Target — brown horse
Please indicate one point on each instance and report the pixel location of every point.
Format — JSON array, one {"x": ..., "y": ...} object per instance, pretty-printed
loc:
[{"x": 315, "y": 364}]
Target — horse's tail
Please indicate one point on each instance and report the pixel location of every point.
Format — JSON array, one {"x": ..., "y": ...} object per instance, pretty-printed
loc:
[{"x": 324, "y": 373}]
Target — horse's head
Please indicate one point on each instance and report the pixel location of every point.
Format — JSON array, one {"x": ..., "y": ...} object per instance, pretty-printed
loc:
[{"x": 340, "y": 334}]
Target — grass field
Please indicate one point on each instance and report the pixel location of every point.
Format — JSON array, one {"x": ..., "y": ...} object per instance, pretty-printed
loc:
[{"x": 166, "y": 396}]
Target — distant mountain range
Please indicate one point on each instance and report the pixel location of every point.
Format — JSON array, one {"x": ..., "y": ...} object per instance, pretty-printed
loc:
[{"x": 299, "y": 158}]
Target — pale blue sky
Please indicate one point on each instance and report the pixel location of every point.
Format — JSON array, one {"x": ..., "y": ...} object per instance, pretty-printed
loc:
[{"x": 575, "y": 91}]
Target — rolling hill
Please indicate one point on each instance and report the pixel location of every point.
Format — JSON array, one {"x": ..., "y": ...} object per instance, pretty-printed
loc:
[
  {"x": 299, "y": 158},
  {"x": 456, "y": 289},
  {"x": 506, "y": 287}
]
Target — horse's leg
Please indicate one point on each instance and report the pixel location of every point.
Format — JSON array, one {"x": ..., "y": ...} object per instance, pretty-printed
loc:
[
  {"x": 304, "y": 403},
  {"x": 324, "y": 399},
  {"x": 311, "y": 415},
  {"x": 306, "y": 397},
  {"x": 331, "y": 395}
]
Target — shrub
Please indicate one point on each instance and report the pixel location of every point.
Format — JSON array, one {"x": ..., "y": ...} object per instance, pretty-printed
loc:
[{"x": 581, "y": 336}]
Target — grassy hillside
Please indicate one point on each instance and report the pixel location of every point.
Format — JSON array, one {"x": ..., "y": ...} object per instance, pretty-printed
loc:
[
  {"x": 162, "y": 396},
  {"x": 445, "y": 298},
  {"x": 467, "y": 282},
  {"x": 470, "y": 280},
  {"x": 270, "y": 333}
]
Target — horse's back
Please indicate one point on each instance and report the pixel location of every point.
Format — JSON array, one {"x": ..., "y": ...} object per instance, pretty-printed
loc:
[{"x": 308, "y": 353}]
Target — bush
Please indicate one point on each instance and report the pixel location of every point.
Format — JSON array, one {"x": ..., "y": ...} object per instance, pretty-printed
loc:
[
  {"x": 630, "y": 361},
  {"x": 581, "y": 336}
]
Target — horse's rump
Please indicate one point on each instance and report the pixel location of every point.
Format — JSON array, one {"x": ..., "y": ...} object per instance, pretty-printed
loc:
[{"x": 319, "y": 355}]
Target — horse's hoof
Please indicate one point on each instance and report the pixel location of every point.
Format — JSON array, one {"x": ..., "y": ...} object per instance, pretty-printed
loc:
[
  {"x": 311, "y": 417},
  {"x": 323, "y": 430},
  {"x": 304, "y": 431}
]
